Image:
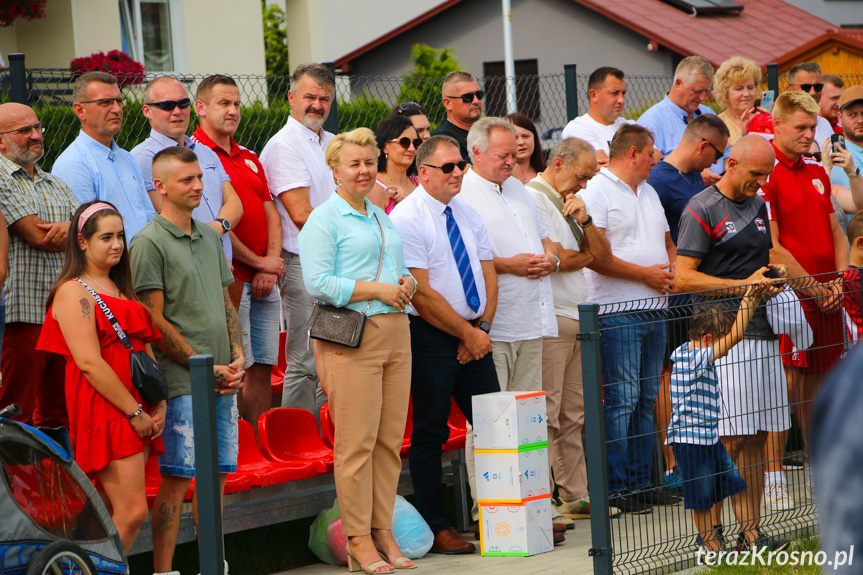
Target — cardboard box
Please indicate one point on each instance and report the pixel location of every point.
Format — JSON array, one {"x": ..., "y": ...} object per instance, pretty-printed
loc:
[
  {"x": 511, "y": 475},
  {"x": 516, "y": 530},
  {"x": 509, "y": 420}
]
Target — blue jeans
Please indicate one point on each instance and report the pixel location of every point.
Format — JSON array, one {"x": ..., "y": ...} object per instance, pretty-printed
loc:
[
  {"x": 179, "y": 436},
  {"x": 632, "y": 346}
]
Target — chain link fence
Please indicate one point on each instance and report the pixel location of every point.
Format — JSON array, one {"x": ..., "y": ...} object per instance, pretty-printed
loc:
[{"x": 362, "y": 101}]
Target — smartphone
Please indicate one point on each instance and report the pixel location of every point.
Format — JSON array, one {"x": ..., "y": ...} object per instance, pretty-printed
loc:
[
  {"x": 773, "y": 273},
  {"x": 767, "y": 100},
  {"x": 837, "y": 140}
]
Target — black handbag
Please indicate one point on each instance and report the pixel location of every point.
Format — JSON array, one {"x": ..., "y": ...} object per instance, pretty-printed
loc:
[
  {"x": 339, "y": 324},
  {"x": 147, "y": 377}
]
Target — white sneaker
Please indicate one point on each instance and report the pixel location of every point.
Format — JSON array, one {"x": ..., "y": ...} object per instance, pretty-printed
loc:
[
  {"x": 776, "y": 496},
  {"x": 178, "y": 573}
]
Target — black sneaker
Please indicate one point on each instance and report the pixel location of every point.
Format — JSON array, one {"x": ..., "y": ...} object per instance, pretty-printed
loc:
[
  {"x": 771, "y": 543},
  {"x": 657, "y": 497},
  {"x": 720, "y": 536},
  {"x": 628, "y": 503},
  {"x": 792, "y": 464}
]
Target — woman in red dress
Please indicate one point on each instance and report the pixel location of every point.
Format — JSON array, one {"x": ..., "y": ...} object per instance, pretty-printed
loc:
[{"x": 112, "y": 432}]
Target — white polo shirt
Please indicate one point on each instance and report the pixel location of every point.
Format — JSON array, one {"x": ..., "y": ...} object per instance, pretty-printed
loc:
[
  {"x": 635, "y": 226},
  {"x": 294, "y": 158},
  {"x": 570, "y": 288},
  {"x": 596, "y": 134},
  {"x": 421, "y": 223},
  {"x": 525, "y": 307}
]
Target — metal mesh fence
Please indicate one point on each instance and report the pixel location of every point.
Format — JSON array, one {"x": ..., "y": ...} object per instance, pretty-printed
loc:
[
  {"x": 362, "y": 101},
  {"x": 653, "y": 396}
]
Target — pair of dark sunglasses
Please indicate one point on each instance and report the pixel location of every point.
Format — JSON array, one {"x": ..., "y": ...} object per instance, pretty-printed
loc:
[
  {"x": 406, "y": 142},
  {"x": 169, "y": 105},
  {"x": 408, "y": 106},
  {"x": 719, "y": 153},
  {"x": 468, "y": 97},
  {"x": 449, "y": 166},
  {"x": 806, "y": 87}
]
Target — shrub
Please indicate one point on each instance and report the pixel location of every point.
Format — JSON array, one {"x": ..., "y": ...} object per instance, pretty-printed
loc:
[
  {"x": 11, "y": 10},
  {"x": 127, "y": 70}
]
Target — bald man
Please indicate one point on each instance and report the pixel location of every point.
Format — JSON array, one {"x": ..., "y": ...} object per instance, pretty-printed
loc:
[
  {"x": 724, "y": 243},
  {"x": 37, "y": 208}
]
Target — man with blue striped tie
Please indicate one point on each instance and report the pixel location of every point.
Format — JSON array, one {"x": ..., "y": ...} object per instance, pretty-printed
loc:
[{"x": 446, "y": 248}]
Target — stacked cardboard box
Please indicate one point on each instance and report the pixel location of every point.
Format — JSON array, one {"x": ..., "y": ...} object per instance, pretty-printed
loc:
[{"x": 512, "y": 481}]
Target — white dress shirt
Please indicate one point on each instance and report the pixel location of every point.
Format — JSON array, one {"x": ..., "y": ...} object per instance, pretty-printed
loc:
[
  {"x": 635, "y": 226},
  {"x": 294, "y": 158},
  {"x": 570, "y": 288},
  {"x": 421, "y": 222},
  {"x": 525, "y": 307},
  {"x": 596, "y": 134}
]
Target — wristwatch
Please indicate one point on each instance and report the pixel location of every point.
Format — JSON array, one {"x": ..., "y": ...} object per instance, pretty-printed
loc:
[
  {"x": 484, "y": 326},
  {"x": 225, "y": 224}
]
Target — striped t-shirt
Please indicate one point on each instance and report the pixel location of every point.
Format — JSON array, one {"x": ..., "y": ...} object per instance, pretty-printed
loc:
[{"x": 694, "y": 397}]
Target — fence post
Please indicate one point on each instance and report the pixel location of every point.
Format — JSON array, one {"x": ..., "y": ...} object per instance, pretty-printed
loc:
[
  {"x": 594, "y": 422},
  {"x": 18, "y": 74},
  {"x": 211, "y": 546},
  {"x": 773, "y": 78},
  {"x": 332, "y": 122},
  {"x": 571, "y": 80}
]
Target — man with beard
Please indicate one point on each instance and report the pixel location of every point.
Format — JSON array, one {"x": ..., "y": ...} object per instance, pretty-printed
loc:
[
  {"x": 299, "y": 179},
  {"x": 850, "y": 118},
  {"x": 37, "y": 207}
]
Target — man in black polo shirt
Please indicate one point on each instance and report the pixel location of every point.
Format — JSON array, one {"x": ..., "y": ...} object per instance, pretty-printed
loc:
[
  {"x": 724, "y": 243},
  {"x": 462, "y": 99}
]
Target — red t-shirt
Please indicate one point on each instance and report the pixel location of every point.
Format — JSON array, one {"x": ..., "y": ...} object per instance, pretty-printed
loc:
[
  {"x": 250, "y": 183},
  {"x": 798, "y": 200}
]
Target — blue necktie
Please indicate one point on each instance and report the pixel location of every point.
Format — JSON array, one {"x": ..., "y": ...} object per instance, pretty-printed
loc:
[{"x": 462, "y": 261}]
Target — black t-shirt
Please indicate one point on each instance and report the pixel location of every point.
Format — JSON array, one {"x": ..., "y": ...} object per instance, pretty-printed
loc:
[
  {"x": 732, "y": 239},
  {"x": 447, "y": 128},
  {"x": 674, "y": 189}
]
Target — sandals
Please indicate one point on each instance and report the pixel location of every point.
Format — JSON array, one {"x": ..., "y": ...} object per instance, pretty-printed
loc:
[
  {"x": 401, "y": 562},
  {"x": 354, "y": 565}
]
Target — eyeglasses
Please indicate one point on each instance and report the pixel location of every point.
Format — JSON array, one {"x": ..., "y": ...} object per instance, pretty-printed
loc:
[
  {"x": 106, "y": 102},
  {"x": 814, "y": 155},
  {"x": 408, "y": 106},
  {"x": 806, "y": 87},
  {"x": 719, "y": 153},
  {"x": 169, "y": 105},
  {"x": 449, "y": 166},
  {"x": 27, "y": 130},
  {"x": 406, "y": 142},
  {"x": 468, "y": 98}
]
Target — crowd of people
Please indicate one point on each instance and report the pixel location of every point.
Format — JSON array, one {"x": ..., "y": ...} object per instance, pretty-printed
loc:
[{"x": 467, "y": 253}]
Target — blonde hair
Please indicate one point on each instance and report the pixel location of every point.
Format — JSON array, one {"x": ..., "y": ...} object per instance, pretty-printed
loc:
[
  {"x": 693, "y": 67},
  {"x": 789, "y": 102},
  {"x": 733, "y": 72},
  {"x": 362, "y": 137}
]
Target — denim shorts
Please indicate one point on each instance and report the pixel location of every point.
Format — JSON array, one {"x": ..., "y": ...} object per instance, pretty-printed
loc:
[
  {"x": 179, "y": 437},
  {"x": 259, "y": 319},
  {"x": 709, "y": 475}
]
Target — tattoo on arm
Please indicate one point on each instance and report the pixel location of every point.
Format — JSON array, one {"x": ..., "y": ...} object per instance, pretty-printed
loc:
[
  {"x": 172, "y": 343},
  {"x": 163, "y": 519},
  {"x": 144, "y": 296},
  {"x": 235, "y": 333},
  {"x": 85, "y": 307}
]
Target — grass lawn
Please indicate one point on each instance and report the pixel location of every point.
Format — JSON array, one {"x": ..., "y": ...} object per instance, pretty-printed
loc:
[{"x": 799, "y": 548}]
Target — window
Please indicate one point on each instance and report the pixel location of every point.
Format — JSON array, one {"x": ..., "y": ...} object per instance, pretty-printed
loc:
[
  {"x": 526, "y": 88},
  {"x": 148, "y": 33},
  {"x": 706, "y": 7}
]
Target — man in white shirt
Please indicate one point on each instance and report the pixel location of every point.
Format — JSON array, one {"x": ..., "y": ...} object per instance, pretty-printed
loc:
[
  {"x": 606, "y": 90},
  {"x": 299, "y": 181},
  {"x": 571, "y": 164},
  {"x": 523, "y": 255},
  {"x": 627, "y": 210},
  {"x": 447, "y": 250}
]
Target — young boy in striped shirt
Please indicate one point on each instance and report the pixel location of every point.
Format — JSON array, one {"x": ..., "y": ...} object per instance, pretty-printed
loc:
[{"x": 709, "y": 474}]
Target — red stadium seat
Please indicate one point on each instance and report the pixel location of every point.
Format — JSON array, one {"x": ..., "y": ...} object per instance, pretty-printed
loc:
[
  {"x": 328, "y": 430},
  {"x": 457, "y": 423},
  {"x": 277, "y": 379},
  {"x": 259, "y": 471},
  {"x": 153, "y": 478},
  {"x": 291, "y": 435},
  {"x": 409, "y": 428}
]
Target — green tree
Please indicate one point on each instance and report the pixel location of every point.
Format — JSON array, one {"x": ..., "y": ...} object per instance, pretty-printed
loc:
[
  {"x": 424, "y": 82},
  {"x": 276, "y": 49}
]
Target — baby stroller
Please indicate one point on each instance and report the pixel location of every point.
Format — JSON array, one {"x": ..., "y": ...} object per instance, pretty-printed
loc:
[{"x": 52, "y": 520}]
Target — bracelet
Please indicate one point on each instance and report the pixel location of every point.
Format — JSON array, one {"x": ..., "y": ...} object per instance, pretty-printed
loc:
[
  {"x": 140, "y": 413},
  {"x": 587, "y": 223},
  {"x": 855, "y": 174}
]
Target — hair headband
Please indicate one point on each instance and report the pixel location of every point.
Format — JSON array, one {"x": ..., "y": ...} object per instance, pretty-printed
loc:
[{"x": 88, "y": 213}]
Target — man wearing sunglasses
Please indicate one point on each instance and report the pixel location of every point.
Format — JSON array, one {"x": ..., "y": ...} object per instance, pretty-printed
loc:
[
  {"x": 806, "y": 77},
  {"x": 93, "y": 165},
  {"x": 462, "y": 99},
  {"x": 168, "y": 108}
]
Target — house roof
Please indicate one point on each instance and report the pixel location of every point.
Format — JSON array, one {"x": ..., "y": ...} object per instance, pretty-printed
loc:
[{"x": 763, "y": 31}]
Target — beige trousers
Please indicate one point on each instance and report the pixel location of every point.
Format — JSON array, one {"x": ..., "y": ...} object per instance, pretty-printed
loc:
[
  {"x": 562, "y": 383},
  {"x": 368, "y": 390}
]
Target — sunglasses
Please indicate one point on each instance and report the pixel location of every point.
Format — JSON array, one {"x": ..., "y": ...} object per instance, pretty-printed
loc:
[
  {"x": 106, "y": 102},
  {"x": 406, "y": 142},
  {"x": 408, "y": 106},
  {"x": 806, "y": 87},
  {"x": 468, "y": 97},
  {"x": 27, "y": 130},
  {"x": 449, "y": 166},
  {"x": 719, "y": 153},
  {"x": 169, "y": 105}
]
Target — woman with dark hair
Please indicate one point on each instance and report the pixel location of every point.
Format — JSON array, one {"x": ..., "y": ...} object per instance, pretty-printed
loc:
[
  {"x": 398, "y": 142},
  {"x": 528, "y": 155},
  {"x": 112, "y": 430},
  {"x": 417, "y": 115}
]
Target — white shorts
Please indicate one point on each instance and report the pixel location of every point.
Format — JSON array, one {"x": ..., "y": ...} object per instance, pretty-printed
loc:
[{"x": 753, "y": 391}]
